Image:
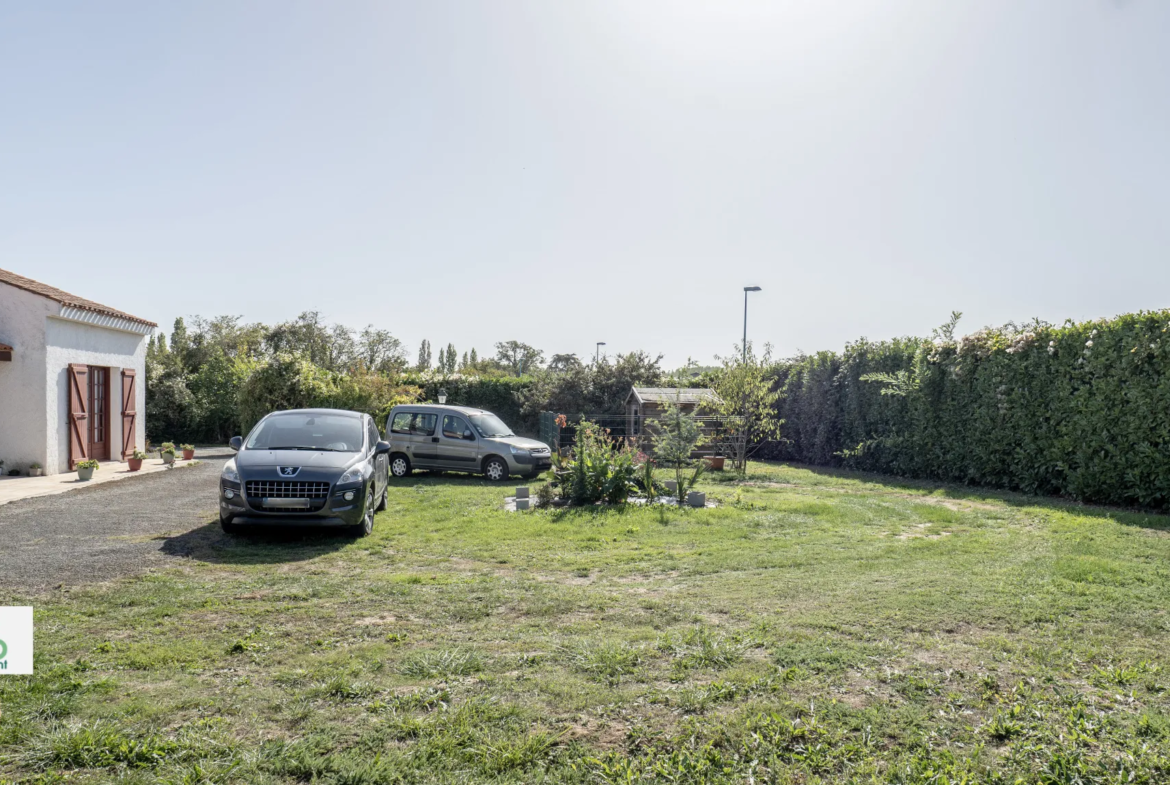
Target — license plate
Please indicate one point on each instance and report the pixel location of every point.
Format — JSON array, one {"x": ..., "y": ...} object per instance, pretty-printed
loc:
[{"x": 286, "y": 504}]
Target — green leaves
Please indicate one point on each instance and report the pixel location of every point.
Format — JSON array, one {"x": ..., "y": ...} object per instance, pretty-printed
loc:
[{"x": 1081, "y": 410}]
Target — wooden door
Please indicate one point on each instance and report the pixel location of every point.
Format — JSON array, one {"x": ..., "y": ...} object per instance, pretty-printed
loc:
[
  {"x": 78, "y": 414},
  {"x": 99, "y": 413},
  {"x": 129, "y": 413}
]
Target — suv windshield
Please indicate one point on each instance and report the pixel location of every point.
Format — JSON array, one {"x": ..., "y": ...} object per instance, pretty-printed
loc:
[
  {"x": 327, "y": 432},
  {"x": 489, "y": 425}
]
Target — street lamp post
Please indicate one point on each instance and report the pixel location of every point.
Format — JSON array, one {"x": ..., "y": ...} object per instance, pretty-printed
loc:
[
  {"x": 597, "y": 352},
  {"x": 746, "y": 289}
]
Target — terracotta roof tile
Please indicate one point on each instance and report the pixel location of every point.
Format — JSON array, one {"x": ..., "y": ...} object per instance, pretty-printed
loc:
[{"x": 65, "y": 298}]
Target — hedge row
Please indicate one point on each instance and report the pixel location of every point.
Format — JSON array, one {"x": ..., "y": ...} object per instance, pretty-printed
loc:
[{"x": 1081, "y": 410}]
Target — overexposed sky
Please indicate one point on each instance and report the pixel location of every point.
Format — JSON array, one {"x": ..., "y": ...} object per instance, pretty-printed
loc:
[{"x": 571, "y": 172}]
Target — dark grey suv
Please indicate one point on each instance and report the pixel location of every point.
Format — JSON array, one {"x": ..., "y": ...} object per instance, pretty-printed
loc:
[{"x": 306, "y": 467}]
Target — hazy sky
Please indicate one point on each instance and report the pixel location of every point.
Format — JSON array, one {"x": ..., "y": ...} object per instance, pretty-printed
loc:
[{"x": 569, "y": 172}]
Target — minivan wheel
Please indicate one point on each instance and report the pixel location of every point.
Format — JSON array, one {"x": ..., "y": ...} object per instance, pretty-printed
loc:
[
  {"x": 400, "y": 466},
  {"x": 495, "y": 470}
]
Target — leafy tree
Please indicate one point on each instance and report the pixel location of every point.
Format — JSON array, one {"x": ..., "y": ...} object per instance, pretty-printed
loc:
[
  {"x": 180, "y": 344},
  {"x": 746, "y": 405},
  {"x": 380, "y": 352},
  {"x": 597, "y": 388},
  {"x": 563, "y": 362},
  {"x": 332, "y": 348},
  {"x": 424, "y": 356},
  {"x": 448, "y": 359},
  {"x": 215, "y": 390},
  {"x": 518, "y": 358},
  {"x": 676, "y": 434}
]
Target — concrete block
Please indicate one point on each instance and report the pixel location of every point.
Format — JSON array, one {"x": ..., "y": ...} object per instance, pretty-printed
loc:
[
  {"x": 522, "y": 504},
  {"x": 521, "y": 491},
  {"x": 697, "y": 499},
  {"x": 671, "y": 486}
]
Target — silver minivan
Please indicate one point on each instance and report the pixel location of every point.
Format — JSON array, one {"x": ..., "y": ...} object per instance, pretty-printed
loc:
[{"x": 460, "y": 439}]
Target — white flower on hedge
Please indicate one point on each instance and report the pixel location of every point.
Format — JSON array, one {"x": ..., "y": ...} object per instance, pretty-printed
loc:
[{"x": 1089, "y": 344}]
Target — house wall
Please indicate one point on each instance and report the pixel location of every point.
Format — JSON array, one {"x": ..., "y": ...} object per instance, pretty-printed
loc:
[
  {"x": 69, "y": 342},
  {"x": 23, "y": 416}
]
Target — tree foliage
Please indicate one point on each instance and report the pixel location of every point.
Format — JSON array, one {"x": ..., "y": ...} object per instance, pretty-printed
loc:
[
  {"x": 745, "y": 404},
  {"x": 518, "y": 358}
]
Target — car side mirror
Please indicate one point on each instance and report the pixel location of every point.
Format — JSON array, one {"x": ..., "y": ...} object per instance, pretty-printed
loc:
[
  {"x": 236, "y": 443},
  {"x": 468, "y": 436},
  {"x": 382, "y": 448}
]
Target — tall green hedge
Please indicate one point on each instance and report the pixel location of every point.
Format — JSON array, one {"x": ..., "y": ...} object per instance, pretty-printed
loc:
[{"x": 1081, "y": 410}]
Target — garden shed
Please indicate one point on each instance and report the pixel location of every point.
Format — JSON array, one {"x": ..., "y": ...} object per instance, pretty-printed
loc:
[
  {"x": 645, "y": 403},
  {"x": 71, "y": 377}
]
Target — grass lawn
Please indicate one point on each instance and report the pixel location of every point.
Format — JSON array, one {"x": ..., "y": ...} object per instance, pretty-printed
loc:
[{"x": 818, "y": 627}]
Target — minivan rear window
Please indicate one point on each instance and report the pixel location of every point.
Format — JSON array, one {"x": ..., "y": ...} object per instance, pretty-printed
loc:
[{"x": 414, "y": 423}]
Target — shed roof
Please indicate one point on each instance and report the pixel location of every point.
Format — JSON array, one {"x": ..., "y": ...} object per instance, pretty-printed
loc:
[
  {"x": 680, "y": 395},
  {"x": 65, "y": 298}
]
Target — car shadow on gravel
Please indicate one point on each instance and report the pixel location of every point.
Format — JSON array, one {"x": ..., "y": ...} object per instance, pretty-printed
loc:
[{"x": 208, "y": 543}]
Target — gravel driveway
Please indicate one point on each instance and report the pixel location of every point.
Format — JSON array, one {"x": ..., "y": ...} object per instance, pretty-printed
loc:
[{"x": 98, "y": 533}]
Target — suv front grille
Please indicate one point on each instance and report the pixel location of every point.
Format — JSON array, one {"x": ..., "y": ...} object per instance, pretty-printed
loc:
[{"x": 287, "y": 489}]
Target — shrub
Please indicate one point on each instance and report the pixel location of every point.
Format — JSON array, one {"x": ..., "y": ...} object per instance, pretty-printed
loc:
[{"x": 598, "y": 471}]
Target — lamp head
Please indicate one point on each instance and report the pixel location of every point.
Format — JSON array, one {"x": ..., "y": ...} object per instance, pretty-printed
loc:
[
  {"x": 752, "y": 289},
  {"x": 442, "y": 395}
]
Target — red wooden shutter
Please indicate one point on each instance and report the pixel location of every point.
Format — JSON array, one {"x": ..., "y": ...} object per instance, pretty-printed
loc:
[
  {"x": 129, "y": 415},
  {"x": 78, "y": 414}
]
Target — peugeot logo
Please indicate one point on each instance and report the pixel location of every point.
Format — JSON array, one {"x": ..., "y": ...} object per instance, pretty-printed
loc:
[{"x": 288, "y": 471}]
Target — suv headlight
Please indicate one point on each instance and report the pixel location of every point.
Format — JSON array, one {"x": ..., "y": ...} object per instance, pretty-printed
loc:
[
  {"x": 354, "y": 474},
  {"x": 229, "y": 472},
  {"x": 518, "y": 450}
]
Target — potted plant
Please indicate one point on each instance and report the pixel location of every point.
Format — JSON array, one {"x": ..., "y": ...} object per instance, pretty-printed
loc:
[
  {"x": 85, "y": 469},
  {"x": 167, "y": 452},
  {"x": 188, "y": 452},
  {"x": 135, "y": 460},
  {"x": 35, "y": 469}
]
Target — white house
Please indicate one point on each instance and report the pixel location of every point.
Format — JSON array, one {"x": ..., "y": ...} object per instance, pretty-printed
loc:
[{"x": 71, "y": 377}]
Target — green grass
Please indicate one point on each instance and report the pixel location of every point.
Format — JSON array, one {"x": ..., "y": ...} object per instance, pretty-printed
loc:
[{"x": 818, "y": 627}]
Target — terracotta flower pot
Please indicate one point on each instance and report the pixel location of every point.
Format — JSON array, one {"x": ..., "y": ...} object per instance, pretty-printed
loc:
[
  {"x": 188, "y": 455},
  {"x": 715, "y": 462},
  {"x": 134, "y": 463}
]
